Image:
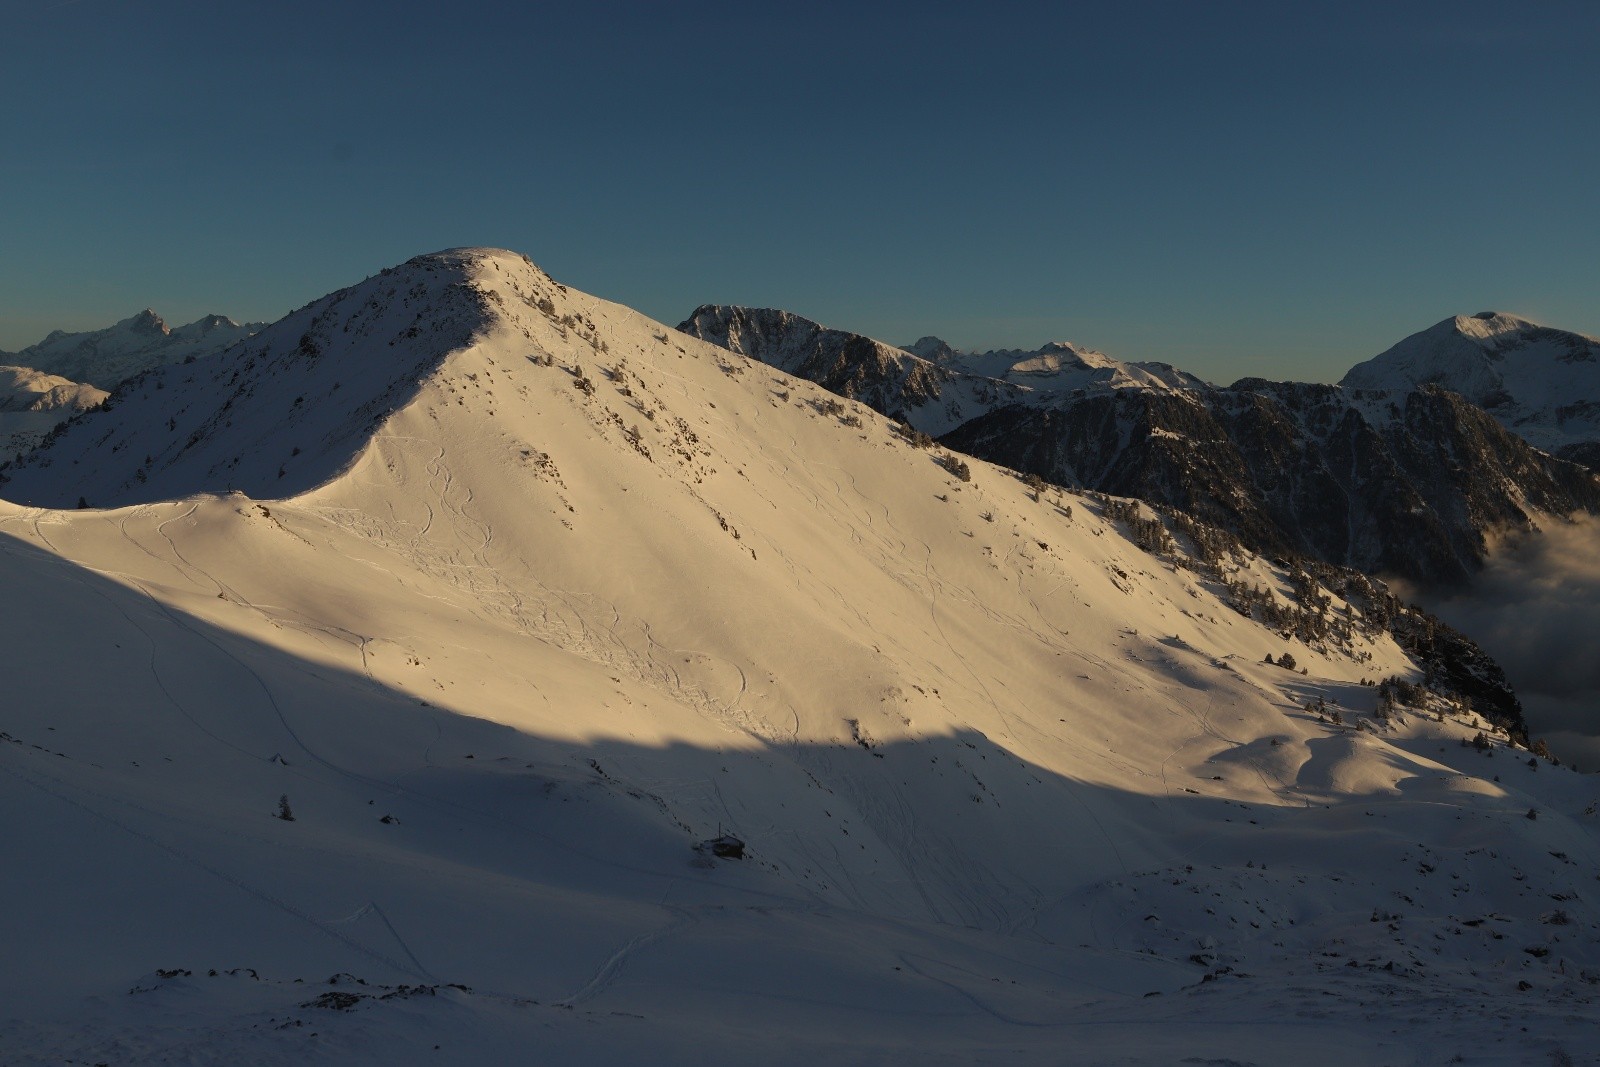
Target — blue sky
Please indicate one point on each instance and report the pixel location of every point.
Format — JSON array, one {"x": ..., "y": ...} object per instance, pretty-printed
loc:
[{"x": 1237, "y": 188}]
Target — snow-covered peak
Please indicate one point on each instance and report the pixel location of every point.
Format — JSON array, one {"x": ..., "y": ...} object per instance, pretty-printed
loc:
[
  {"x": 146, "y": 322},
  {"x": 1541, "y": 382},
  {"x": 206, "y": 325},
  {"x": 581, "y": 594},
  {"x": 132, "y": 345},
  {"x": 26, "y": 389},
  {"x": 296, "y": 402},
  {"x": 1056, "y": 366},
  {"x": 931, "y": 348}
]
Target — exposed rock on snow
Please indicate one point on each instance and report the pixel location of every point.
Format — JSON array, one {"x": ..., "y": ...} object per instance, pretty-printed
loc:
[
  {"x": 565, "y": 592},
  {"x": 1405, "y": 480}
]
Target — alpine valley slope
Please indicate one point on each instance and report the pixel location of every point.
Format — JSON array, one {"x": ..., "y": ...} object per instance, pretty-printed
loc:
[{"x": 519, "y": 595}]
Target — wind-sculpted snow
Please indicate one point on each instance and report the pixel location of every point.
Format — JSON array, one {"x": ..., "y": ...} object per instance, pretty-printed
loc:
[{"x": 563, "y": 595}]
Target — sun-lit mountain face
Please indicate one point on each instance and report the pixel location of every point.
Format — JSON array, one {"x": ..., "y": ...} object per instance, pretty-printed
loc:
[
  {"x": 467, "y": 661},
  {"x": 1539, "y": 382}
]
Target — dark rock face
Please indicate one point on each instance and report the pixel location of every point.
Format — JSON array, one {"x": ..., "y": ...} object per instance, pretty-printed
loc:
[
  {"x": 1413, "y": 491},
  {"x": 1583, "y": 453},
  {"x": 1405, "y": 482},
  {"x": 887, "y": 379},
  {"x": 857, "y": 367}
]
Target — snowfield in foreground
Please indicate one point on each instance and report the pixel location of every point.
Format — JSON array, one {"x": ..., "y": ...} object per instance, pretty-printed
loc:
[{"x": 511, "y": 597}]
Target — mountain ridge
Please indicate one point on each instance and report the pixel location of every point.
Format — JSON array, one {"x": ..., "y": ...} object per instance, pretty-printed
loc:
[
  {"x": 556, "y": 596},
  {"x": 1402, "y": 481},
  {"x": 104, "y": 358}
]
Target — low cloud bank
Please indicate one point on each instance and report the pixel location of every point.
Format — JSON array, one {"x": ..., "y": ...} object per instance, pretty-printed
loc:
[{"x": 1536, "y": 609}]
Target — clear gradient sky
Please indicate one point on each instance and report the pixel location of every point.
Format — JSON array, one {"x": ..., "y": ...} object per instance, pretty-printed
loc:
[{"x": 1277, "y": 188}]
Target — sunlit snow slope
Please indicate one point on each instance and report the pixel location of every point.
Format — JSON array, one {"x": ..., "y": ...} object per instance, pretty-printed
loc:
[{"x": 522, "y": 596}]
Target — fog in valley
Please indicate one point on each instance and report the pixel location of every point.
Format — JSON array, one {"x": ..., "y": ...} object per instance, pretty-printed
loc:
[{"x": 1536, "y": 609}]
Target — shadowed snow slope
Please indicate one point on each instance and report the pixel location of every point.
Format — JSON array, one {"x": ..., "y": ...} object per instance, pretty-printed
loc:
[{"x": 547, "y": 593}]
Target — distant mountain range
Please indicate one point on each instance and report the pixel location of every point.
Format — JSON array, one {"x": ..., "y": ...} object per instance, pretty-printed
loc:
[
  {"x": 104, "y": 358},
  {"x": 1399, "y": 475},
  {"x": 69, "y": 373},
  {"x": 1410, "y": 466}
]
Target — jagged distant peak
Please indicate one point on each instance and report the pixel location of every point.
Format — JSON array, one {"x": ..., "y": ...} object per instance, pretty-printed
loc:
[
  {"x": 1058, "y": 365},
  {"x": 146, "y": 321},
  {"x": 782, "y": 338},
  {"x": 932, "y": 348},
  {"x": 739, "y": 317},
  {"x": 1055, "y": 355},
  {"x": 130, "y": 346},
  {"x": 206, "y": 323}
]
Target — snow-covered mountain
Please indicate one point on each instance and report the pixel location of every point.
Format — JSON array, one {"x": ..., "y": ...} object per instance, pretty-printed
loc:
[
  {"x": 1410, "y": 481},
  {"x": 1059, "y": 366},
  {"x": 885, "y": 378},
  {"x": 104, "y": 358},
  {"x": 401, "y": 750},
  {"x": 1541, "y": 383},
  {"x": 1416, "y": 484},
  {"x": 33, "y": 403},
  {"x": 927, "y": 384}
]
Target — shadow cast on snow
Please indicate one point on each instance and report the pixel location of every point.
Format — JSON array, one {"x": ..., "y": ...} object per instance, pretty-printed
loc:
[{"x": 146, "y": 754}]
